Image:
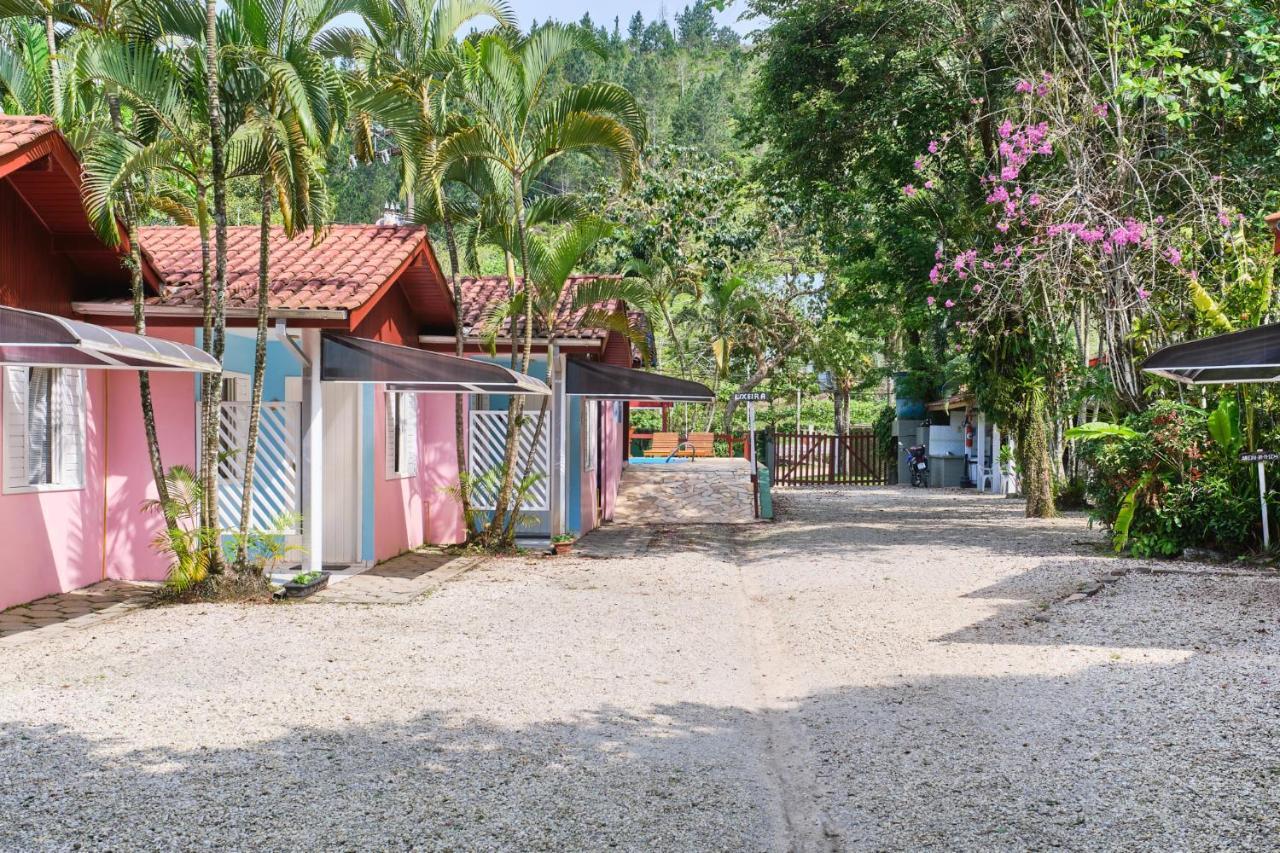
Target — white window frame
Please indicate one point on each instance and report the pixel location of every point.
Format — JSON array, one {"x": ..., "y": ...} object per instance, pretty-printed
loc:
[
  {"x": 401, "y": 435},
  {"x": 590, "y": 433},
  {"x": 62, "y": 382}
]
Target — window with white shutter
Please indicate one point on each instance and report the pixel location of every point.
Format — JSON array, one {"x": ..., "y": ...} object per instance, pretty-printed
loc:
[
  {"x": 44, "y": 429},
  {"x": 401, "y": 435}
]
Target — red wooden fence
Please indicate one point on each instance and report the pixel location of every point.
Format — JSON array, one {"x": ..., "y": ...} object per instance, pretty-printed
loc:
[{"x": 813, "y": 459}]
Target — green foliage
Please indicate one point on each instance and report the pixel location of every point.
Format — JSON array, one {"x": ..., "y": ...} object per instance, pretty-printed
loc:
[
  {"x": 1099, "y": 429},
  {"x": 883, "y": 427},
  {"x": 1170, "y": 486},
  {"x": 188, "y": 545}
]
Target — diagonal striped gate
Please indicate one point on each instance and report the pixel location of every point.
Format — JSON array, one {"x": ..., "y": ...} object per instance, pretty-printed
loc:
[
  {"x": 487, "y": 440},
  {"x": 276, "y": 492}
]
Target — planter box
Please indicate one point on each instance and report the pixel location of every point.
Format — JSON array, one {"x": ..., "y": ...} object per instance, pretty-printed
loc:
[
  {"x": 302, "y": 590},
  {"x": 561, "y": 548}
]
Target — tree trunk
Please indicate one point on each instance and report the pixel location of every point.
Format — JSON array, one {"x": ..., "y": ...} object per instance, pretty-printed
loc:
[
  {"x": 1033, "y": 459},
  {"x": 55, "y": 73},
  {"x": 218, "y": 169},
  {"x": 138, "y": 291},
  {"x": 259, "y": 371},
  {"x": 459, "y": 349},
  {"x": 508, "y": 499}
]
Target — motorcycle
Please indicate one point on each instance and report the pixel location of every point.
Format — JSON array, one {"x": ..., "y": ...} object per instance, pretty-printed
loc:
[{"x": 918, "y": 462}]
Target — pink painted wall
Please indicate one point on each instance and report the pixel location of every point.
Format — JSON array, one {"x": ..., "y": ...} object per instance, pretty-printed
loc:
[
  {"x": 412, "y": 510},
  {"x": 438, "y": 465},
  {"x": 130, "y": 529},
  {"x": 54, "y": 539}
]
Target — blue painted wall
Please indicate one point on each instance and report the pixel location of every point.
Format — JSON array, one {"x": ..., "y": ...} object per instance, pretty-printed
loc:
[{"x": 281, "y": 363}]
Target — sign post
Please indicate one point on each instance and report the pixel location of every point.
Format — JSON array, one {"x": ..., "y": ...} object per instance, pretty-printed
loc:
[
  {"x": 751, "y": 398},
  {"x": 1262, "y": 457}
]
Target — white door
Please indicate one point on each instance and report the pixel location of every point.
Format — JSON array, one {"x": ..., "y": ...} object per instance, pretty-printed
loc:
[{"x": 342, "y": 475}]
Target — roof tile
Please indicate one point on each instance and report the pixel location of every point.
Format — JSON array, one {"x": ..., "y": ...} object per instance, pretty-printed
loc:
[
  {"x": 482, "y": 295},
  {"x": 19, "y": 131},
  {"x": 341, "y": 273}
]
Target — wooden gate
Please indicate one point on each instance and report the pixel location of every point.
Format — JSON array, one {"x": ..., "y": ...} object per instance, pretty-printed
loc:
[{"x": 813, "y": 459}]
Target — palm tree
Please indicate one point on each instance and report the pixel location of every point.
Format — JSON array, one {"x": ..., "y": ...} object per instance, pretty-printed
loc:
[
  {"x": 547, "y": 291},
  {"x": 290, "y": 117},
  {"x": 153, "y": 164},
  {"x": 519, "y": 125},
  {"x": 400, "y": 85}
]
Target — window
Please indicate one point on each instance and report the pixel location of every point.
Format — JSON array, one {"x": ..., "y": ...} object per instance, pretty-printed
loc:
[
  {"x": 43, "y": 429},
  {"x": 402, "y": 435}
]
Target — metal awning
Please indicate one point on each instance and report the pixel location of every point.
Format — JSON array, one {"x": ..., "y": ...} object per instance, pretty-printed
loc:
[
  {"x": 344, "y": 358},
  {"x": 1249, "y": 356},
  {"x": 607, "y": 382},
  {"x": 45, "y": 340}
]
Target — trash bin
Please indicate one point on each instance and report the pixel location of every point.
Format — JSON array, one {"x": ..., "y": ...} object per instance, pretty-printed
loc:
[{"x": 766, "y": 499}]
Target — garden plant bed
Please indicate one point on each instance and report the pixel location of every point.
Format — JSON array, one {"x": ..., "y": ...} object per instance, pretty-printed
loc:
[{"x": 305, "y": 584}]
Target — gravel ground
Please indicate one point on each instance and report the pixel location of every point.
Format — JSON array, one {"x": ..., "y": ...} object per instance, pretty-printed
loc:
[{"x": 882, "y": 669}]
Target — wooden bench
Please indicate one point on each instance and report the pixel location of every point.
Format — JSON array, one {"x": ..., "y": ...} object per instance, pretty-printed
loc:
[
  {"x": 664, "y": 443},
  {"x": 704, "y": 444}
]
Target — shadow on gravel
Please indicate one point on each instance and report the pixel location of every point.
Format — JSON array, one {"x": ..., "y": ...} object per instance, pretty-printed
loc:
[{"x": 1122, "y": 756}]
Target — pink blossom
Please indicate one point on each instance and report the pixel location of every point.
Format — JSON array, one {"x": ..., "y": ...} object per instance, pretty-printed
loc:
[
  {"x": 1010, "y": 208},
  {"x": 1101, "y": 110},
  {"x": 1174, "y": 256},
  {"x": 933, "y": 146},
  {"x": 949, "y": 304},
  {"x": 919, "y": 164},
  {"x": 937, "y": 256},
  {"x": 928, "y": 185},
  {"x": 977, "y": 288},
  {"x": 935, "y": 274},
  {"x": 988, "y": 266},
  {"x": 1002, "y": 227},
  {"x": 998, "y": 196},
  {"x": 1006, "y": 129},
  {"x": 1007, "y": 263},
  {"x": 1034, "y": 200},
  {"x": 1022, "y": 87},
  {"x": 1042, "y": 90},
  {"x": 1223, "y": 219},
  {"x": 1018, "y": 249},
  {"x": 1143, "y": 293},
  {"x": 909, "y": 190},
  {"x": 929, "y": 300},
  {"x": 1009, "y": 173}
]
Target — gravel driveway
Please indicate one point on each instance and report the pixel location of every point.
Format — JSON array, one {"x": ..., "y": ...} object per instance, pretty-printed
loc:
[{"x": 881, "y": 669}]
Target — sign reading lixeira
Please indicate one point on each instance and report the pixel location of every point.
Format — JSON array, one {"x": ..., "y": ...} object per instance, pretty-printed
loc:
[{"x": 751, "y": 397}]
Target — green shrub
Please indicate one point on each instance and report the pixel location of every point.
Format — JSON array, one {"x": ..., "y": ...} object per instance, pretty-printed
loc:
[{"x": 1169, "y": 479}]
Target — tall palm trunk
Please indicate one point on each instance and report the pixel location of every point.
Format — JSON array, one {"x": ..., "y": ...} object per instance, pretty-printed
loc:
[
  {"x": 219, "y": 319},
  {"x": 459, "y": 349},
  {"x": 138, "y": 290},
  {"x": 259, "y": 371},
  {"x": 55, "y": 72},
  {"x": 508, "y": 498},
  {"x": 515, "y": 415}
]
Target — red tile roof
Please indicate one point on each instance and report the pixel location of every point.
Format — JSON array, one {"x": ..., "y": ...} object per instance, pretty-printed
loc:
[
  {"x": 342, "y": 273},
  {"x": 480, "y": 296},
  {"x": 20, "y": 131}
]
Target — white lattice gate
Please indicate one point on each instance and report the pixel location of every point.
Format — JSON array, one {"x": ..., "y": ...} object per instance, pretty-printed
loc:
[
  {"x": 488, "y": 440},
  {"x": 276, "y": 490}
]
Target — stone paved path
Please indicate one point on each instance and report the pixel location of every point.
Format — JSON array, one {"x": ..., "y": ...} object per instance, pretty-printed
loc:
[
  {"x": 397, "y": 581},
  {"x": 81, "y": 608},
  {"x": 708, "y": 491}
]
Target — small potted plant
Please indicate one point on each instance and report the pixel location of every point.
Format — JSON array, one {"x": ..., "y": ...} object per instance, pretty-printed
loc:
[
  {"x": 305, "y": 583},
  {"x": 562, "y": 544}
]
